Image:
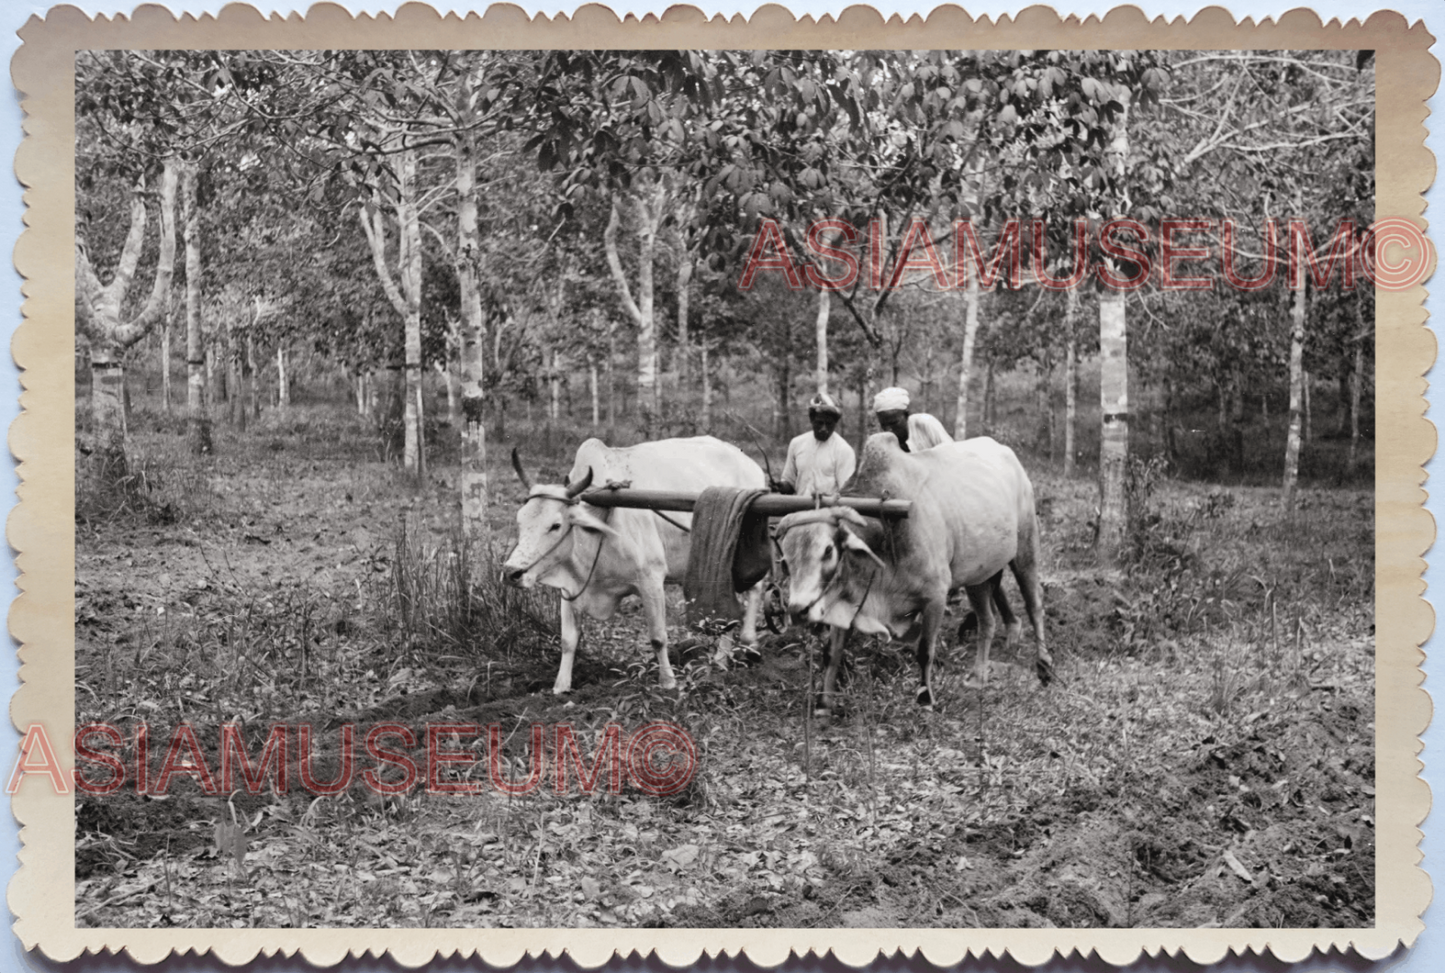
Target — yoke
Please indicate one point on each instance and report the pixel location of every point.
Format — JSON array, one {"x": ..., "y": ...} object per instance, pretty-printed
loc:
[{"x": 769, "y": 504}]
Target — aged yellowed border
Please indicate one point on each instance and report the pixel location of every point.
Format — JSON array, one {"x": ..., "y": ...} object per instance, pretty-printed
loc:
[{"x": 41, "y": 527}]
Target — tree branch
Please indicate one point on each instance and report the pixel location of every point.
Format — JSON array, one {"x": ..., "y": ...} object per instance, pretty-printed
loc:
[
  {"x": 614, "y": 263},
  {"x": 128, "y": 334},
  {"x": 376, "y": 238}
]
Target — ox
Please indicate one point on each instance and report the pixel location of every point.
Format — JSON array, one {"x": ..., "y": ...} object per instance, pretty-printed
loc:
[
  {"x": 972, "y": 516},
  {"x": 595, "y": 556}
]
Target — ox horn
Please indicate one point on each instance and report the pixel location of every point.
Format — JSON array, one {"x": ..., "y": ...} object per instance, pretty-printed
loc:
[
  {"x": 583, "y": 484},
  {"x": 521, "y": 475}
]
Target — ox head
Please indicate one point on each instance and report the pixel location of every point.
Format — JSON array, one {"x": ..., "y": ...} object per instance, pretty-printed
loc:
[
  {"x": 546, "y": 527},
  {"x": 830, "y": 568}
]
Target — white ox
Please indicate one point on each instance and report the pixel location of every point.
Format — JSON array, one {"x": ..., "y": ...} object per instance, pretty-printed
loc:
[
  {"x": 595, "y": 556},
  {"x": 972, "y": 516}
]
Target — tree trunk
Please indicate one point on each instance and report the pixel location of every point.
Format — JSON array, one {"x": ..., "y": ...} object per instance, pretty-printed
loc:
[
  {"x": 404, "y": 292},
  {"x": 166, "y": 365},
  {"x": 825, "y": 306},
  {"x": 1237, "y": 422},
  {"x": 965, "y": 371},
  {"x": 1071, "y": 377},
  {"x": 444, "y": 369},
  {"x": 235, "y": 387},
  {"x": 1171, "y": 448},
  {"x": 648, "y": 204},
  {"x": 782, "y": 411},
  {"x": 592, "y": 389},
  {"x": 99, "y": 314},
  {"x": 409, "y": 230},
  {"x": 1114, "y": 431},
  {"x": 706, "y": 391},
  {"x": 1044, "y": 403},
  {"x": 253, "y": 377},
  {"x": 421, "y": 433},
  {"x": 199, "y": 364},
  {"x": 784, "y": 374},
  {"x": 925, "y": 380},
  {"x": 1296, "y": 388},
  {"x": 990, "y": 400},
  {"x": 684, "y": 304},
  {"x": 1114, "y": 378},
  {"x": 611, "y": 374},
  {"x": 215, "y": 367},
  {"x": 554, "y": 387},
  {"x": 283, "y": 386},
  {"x": 1305, "y": 389},
  {"x": 863, "y": 426},
  {"x": 1357, "y": 384},
  {"x": 1343, "y": 394},
  {"x": 472, "y": 349}
]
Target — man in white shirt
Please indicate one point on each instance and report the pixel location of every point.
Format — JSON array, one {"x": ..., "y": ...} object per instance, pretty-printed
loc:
[
  {"x": 819, "y": 463},
  {"x": 915, "y": 432}
]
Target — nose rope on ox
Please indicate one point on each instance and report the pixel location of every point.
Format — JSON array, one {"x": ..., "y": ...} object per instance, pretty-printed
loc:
[
  {"x": 591, "y": 571},
  {"x": 572, "y": 493},
  {"x": 873, "y": 576}
]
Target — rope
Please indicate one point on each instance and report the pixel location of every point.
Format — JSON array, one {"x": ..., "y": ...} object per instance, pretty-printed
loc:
[
  {"x": 685, "y": 530},
  {"x": 595, "y": 558},
  {"x": 566, "y": 534}
]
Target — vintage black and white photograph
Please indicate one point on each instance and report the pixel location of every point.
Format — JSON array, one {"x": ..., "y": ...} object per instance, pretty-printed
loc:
[{"x": 715, "y": 489}]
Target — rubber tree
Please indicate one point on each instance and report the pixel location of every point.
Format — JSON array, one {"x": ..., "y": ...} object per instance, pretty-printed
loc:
[
  {"x": 401, "y": 279},
  {"x": 100, "y": 308},
  {"x": 198, "y": 423},
  {"x": 646, "y": 204},
  {"x": 1290, "y": 129}
]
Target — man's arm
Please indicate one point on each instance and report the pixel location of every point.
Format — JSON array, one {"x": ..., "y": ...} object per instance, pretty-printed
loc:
[{"x": 788, "y": 482}]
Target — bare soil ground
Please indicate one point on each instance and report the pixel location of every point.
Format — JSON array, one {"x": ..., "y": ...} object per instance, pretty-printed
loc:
[{"x": 1205, "y": 759}]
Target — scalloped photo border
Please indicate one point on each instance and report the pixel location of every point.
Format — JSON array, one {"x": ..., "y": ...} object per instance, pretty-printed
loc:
[{"x": 41, "y": 527}]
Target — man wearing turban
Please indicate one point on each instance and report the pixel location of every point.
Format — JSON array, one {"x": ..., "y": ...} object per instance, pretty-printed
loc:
[
  {"x": 819, "y": 462},
  {"x": 915, "y": 432}
]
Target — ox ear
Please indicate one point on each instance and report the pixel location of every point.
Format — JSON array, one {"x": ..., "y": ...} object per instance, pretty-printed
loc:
[
  {"x": 587, "y": 521},
  {"x": 850, "y": 541}
]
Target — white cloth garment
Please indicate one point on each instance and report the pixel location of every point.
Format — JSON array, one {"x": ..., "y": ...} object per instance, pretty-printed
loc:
[
  {"x": 819, "y": 469},
  {"x": 925, "y": 432}
]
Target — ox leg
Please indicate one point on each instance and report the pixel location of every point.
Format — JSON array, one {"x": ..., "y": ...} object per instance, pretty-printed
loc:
[
  {"x": 837, "y": 644},
  {"x": 571, "y": 634},
  {"x": 1012, "y": 626},
  {"x": 980, "y": 596},
  {"x": 1027, "y": 575},
  {"x": 752, "y": 607},
  {"x": 930, "y": 621},
  {"x": 654, "y": 609}
]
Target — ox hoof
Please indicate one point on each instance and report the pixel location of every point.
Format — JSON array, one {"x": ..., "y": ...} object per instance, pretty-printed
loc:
[
  {"x": 561, "y": 690},
  {"x": 925, "y": 698},
  {"x": 1045, "y": 669}
]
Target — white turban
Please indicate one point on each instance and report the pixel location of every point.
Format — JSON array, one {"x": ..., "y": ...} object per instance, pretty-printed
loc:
[
  {"x": 825, "y": 404},
  {"x": 891, "y": 400}
]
